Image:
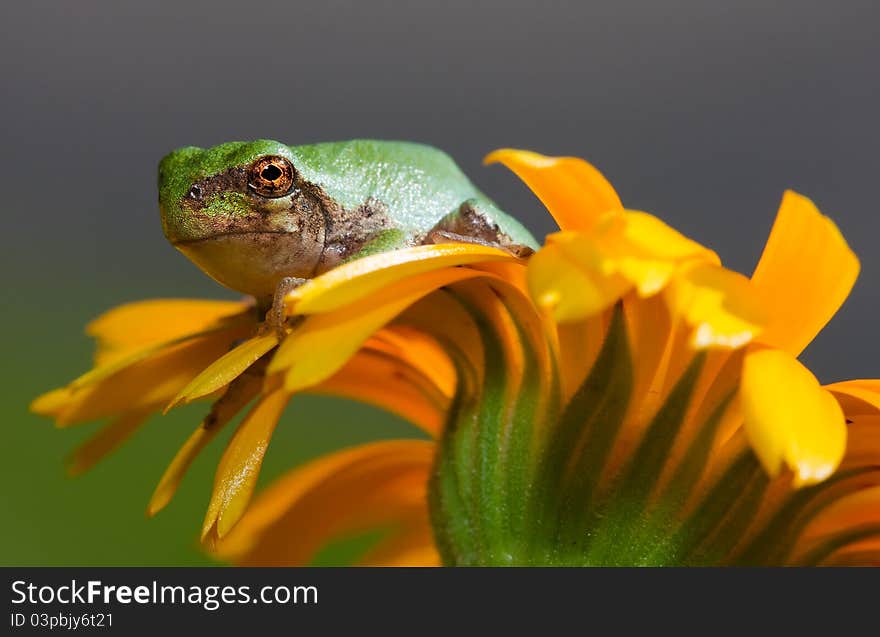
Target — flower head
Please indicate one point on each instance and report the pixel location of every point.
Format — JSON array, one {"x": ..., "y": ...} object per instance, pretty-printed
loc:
[{"x": 617, "y": 398}]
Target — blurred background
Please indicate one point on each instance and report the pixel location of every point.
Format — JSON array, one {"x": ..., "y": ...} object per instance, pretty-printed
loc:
[{"x": 701, "y": 112}]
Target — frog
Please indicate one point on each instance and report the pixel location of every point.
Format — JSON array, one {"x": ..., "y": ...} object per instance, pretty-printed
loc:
[{"x": 263, "y": 217}]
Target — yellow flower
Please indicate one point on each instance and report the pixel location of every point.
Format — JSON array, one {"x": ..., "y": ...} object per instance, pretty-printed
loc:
[{"x": 618, "y": 398}]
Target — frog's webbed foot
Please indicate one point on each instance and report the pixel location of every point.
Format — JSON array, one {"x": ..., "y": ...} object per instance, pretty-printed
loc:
[
  {"x": 276, "y": 316},
  {"x": 469, "y": 225}
]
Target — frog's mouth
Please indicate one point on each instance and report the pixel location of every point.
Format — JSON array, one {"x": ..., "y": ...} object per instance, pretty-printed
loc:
[{"x": 221, "y": 235}]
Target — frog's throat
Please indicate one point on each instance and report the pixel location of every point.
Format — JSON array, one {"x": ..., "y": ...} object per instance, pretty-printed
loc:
[{"x": 254, "y": 262}]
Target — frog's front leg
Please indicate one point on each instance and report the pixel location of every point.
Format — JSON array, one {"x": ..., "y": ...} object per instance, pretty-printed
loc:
[
  {"x": 469, "y": 225},
  {"x": 276, "y": 315}
]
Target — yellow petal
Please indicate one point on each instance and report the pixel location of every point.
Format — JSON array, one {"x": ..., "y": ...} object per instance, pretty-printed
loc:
[
  {"x": 720, "y": 305},
  {"x": 136, "y": 325},
  {"x": 647, "y": 252},
  {"x": 567, "y": 288},
  {"x": 240, "y": 465},
  {"x": 239, "y": 393},
  {"x": 323, "y": 343},
  {"x": 105, "y": 441},
  {"x": 572, "y": 190},
  {"x": 789, "y": 419},
  {"x": 361, "y": 278},
  {"x": 805, "y": 274},
  {"x": 338, "y": 495},
  {"x": 580, "y": 274},
  {"x": 649, "y": 235},
  {"x": 635, "y": 245},
  {"x": 225, "y": 369}
]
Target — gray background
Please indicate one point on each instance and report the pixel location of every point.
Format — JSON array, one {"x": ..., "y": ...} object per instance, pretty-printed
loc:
[{"x": 701, "y": 112}]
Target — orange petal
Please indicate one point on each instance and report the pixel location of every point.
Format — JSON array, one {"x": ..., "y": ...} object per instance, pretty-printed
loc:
[
  {"x": 805, "y": 274},
  {"x": 362, "y": 278},
  {"x": 372, "y": 486},
  {"x": 851, "y": 511},
  {"x": 651, "y": 334},
  {"x": 105, "y": 441},
  {"x": 52, "y": 403},
  {"x": 579, "y": 347},
  {"x": 413, "y": 546},
  {"x": 572, "y": 190},
  {"x": 107, "y": 366},
  {"x": 420, "y": 351},
  {"x": 863, "y": 442},
  {"x": 240, "y": 465},
  {"x": 444, "y": 318},
  {"x": 379, "y": 379},
  {"x": 137, "y": 325},
  {"x": 857, "y": 397},
  {"x": 789, "y": 419},
  {"x": 148, "y": 382}
]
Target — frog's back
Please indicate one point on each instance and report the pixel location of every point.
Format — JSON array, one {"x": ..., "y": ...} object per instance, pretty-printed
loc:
[{"x": 419, "y": 184}]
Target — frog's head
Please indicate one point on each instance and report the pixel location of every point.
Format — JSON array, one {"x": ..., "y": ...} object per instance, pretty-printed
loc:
[{"x": 241, "y": 212}]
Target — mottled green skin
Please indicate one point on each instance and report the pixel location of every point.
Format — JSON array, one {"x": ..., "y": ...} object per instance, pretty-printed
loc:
[
  {"x": 413, "y": 185},
  {"x": 419, "y": 183}
]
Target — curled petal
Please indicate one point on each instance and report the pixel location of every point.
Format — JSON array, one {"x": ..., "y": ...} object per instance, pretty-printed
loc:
[
  {"x": 572, "y": 190},
  {"x": 579, "y": 274},
  {"x": 789, "y": 419},
  {"x": 568, "y": 289},
  {"x": 719, "y": 304},
  {"x": 359, "y": 279},
  {"x": 635, "y": 245},
  {"x": 805, "y": 274},
  {"x": 323, "y": 343}
]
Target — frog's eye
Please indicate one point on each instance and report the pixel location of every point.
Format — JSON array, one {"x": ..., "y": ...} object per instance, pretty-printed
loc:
[{"x": 271, "y": 176}]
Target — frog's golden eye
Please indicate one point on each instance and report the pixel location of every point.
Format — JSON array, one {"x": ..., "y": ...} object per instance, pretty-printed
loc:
[{"x": 271, "y": 176}]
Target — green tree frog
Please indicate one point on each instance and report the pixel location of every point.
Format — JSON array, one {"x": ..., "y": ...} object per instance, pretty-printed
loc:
[{"x": 261, "y": 217}]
